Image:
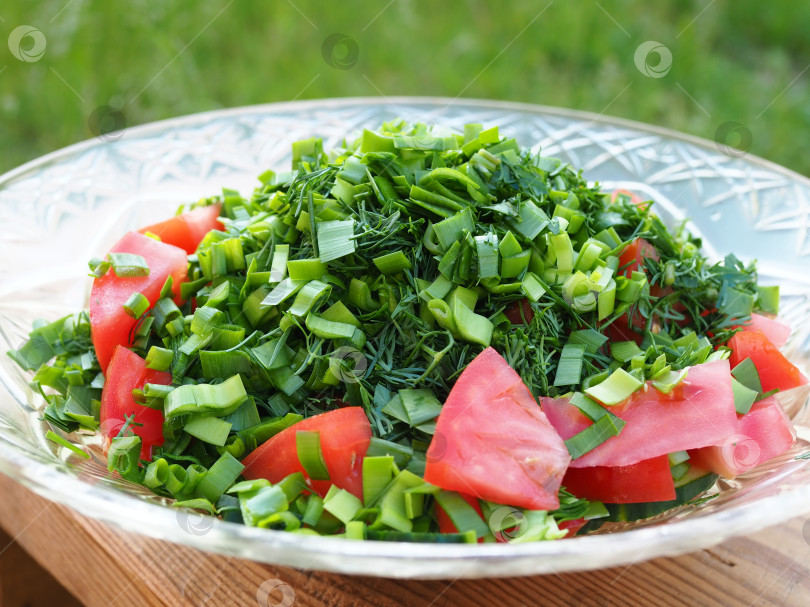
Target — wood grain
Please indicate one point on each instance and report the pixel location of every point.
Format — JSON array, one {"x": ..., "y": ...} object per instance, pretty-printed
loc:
[
  {"x": 23, "y": 583},
  {"x": 106, "y": 567}
]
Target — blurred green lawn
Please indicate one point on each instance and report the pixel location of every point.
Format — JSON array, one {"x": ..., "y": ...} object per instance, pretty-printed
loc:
[{"x": 738, "y": 61}]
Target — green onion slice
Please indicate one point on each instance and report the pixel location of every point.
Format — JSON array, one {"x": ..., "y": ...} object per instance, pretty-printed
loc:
[
  {"x": 308, "y": 445},
  {"x": 128, "y": 264}
]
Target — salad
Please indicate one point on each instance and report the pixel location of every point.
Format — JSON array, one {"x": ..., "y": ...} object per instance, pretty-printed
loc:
[{"x": 420, "y": 335}]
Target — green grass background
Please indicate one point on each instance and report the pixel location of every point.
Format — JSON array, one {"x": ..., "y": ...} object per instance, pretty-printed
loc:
[{"x": 740, "y": 61}]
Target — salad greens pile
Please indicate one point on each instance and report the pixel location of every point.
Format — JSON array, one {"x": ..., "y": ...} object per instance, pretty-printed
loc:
[{"x": 372, "y": 274}]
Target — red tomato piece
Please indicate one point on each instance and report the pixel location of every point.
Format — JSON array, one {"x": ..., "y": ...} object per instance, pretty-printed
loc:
[
  {"x": 110, "y": 325},
  {"x": 773, "y": 328},
  {"x": 518, "y": 310},
  {"x": 633, "y": 256},
  {"x": 127, "y": 372},
  {"x": 762, "y": 434},
  {"x": 572, "y": 527},
  {"x": 634, "y": 198},
  {"x": 621, "y": 329},
  {"x": 699, "y": 412},
  {"x": 345, "y": 436},
  {"x": 492, "y": 441},
  {"x": 775, "y": 371},
  {"x": 649, "y": 480},
  {"x": 187, "y": 229}
]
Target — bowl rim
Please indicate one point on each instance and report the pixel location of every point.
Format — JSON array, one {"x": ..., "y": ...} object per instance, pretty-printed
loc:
[{"x": 431, "y": 560}]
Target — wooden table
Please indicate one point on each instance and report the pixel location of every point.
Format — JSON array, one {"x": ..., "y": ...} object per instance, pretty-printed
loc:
[{"x": 107, "y": 567}]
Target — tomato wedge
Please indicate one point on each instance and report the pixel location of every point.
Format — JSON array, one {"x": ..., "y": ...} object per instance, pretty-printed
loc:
[
  {"x": 110, "y": 325},
  {"x": 187, "y": 229},
  {"x": 345, "y": 436},
  {"x": 773, "y": 328},
  {"x": 634, "y": 198},
  {"x": 126, "y": 372},
  {"x": 492, "y": 441},
  {"x": 519, "y": 312},
  {"x": 699, "y": 412},
  {"x": 775, "y": 371},
  {"x": 572, "y": 527},
  {"x": 649, "y": 480},
  {"x": 762, "y": 434},
  {"x": 633, "y": 256}
]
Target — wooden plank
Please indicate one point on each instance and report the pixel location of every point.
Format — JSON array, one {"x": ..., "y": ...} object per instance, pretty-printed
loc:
[
  {"x": 108, "y": 567},
  {"x": 23, "y": 583}
]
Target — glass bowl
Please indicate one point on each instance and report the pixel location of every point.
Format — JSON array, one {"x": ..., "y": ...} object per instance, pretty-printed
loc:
[{"x": 63, "y": 209}]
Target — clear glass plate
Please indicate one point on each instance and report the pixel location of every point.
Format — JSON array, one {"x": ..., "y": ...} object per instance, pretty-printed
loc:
[{"x": 59, "y": 211}]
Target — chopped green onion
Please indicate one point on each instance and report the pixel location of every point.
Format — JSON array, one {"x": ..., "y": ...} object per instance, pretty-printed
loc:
[
  {"x": 513, "y": 267},
  {"x": 217, "y": 399},
  {"x": 225, "y": 364},
  {"x": 464, "y": 296},
  {"x": 439, "y": 288},
  {"x": 123, "y": 457},
  {"x": 594, "y": 435},
  {"x": 197, "y": 504},
  {"x": 246, "y": 416},
  {"x": 208, "y": 429},
  {"x": 533, "y": 287},
  {"x": 52, "y": 436},
  {"x": 98, "y": 267},
  {"x": 443, "y": 315},
  {"x": 306, "y": 269},
  {"x": 329, "y": 329},
  {"x": 447, "y": 264},
  {"x": 470, "y": 326},
  {"x": 308, "y": 296},
  {"x": 360, "y": 295},
  {"x": 569, "y": 367},
  {"x": 128, "y": 264},
  {"x": 341, "y": 504},
  {"x": 314, "y": 510},
  {"x": 746, "y": 373},
  {"x": 392, "y": 263},
  {"x": 338, "y": 312},
  {"x": 262, "y": 504},
  {"x": 744, "y": 397},
  {"x": 356, "y": 530},
  {"x": 589, "y": 407},
  {"x": 623, "y": 351},
  {"x": 735, "y": 303},
  {"x": 667, "y": 382},
  {"x": 156, "y": 473},
  {"x": 260, "y": 433},
  {"x": 487, "y": 248},
  {"x": 509, "y": 245},
  {"x": 308, "y": 445},
  {"x": 392, "y": 501},
  {"x": 592, "y": 339},
  {"x": 464, "y": 516},
  {"x": 159, "y": 359},
  {"x": 531, "y": 220},
  {"x": 219, "y": 477},
  {"x": 278, "y": 268},
  {"x": 335, "y": 239},
  {"x": 378, "y": 471},
  {"x": 616, "y": 388},
  {"x": 204, "y": 320},
  {"x": 452, "y": 229},
  {"x": 293, "y": 485},
  {"x": 768, "y": 299},
  {"x": 284, "y": 290},
  {"x": 420, "y": 405}
]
